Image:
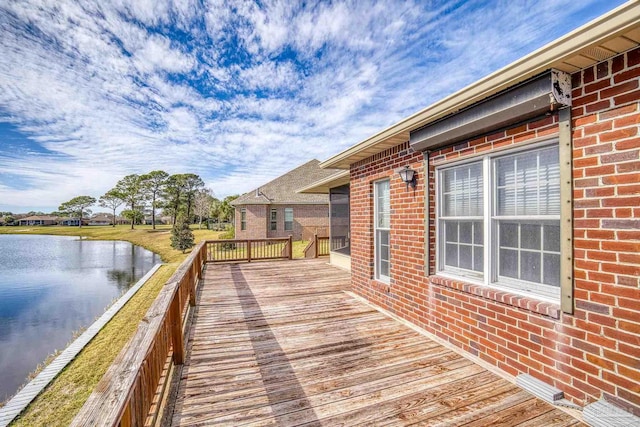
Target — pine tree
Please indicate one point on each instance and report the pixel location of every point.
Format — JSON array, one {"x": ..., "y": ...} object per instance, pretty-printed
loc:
[{"x": 182, "y": 237}]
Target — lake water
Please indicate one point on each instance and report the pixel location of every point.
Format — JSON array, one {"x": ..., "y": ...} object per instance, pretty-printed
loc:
[{"x": 51, "y": 286}]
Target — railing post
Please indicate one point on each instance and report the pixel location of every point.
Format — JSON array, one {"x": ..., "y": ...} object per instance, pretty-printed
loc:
[
  {"x": 193, "y": 281},
  {"x": 290, "y": 246},
  {"x": 249, "y": 250},
  {"x": 176, "y": 329},
  {"x": 317, "y": 248}
]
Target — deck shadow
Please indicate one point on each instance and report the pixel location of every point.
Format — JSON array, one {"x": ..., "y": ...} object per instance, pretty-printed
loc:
[{"x": 263, "y": 339}]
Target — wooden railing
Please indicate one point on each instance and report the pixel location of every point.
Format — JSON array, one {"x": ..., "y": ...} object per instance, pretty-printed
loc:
[
  {"x": 318, "y": 246},
  {"x": 131, "y": 391},
  {"x": 249, "y": 250},
  {"x": 127, "y": 393}
]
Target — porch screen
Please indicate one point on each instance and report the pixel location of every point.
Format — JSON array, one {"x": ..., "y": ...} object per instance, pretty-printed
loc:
[{"x": 339, "y": 200}]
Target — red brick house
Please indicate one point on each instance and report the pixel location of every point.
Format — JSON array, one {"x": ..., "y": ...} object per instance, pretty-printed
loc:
[
  {"x": 277, "y": 209},
  {"x": 520, "y": 242}
]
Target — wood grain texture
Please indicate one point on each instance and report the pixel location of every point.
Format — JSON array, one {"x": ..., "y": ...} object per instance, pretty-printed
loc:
[{"x": 280, "y": 343}]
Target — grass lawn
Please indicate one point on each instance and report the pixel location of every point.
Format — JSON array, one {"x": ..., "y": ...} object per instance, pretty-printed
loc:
[{"x": 66, "y": 394}]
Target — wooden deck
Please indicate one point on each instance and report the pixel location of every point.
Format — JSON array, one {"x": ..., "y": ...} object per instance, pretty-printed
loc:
[{"x": 280, "y": 343}]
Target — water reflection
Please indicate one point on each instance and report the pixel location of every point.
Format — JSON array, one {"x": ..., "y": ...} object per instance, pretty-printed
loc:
[{"x": 51, "y": 286}]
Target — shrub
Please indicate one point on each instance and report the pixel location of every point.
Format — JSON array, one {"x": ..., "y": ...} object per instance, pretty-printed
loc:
[{"x": 182, "y": 237}]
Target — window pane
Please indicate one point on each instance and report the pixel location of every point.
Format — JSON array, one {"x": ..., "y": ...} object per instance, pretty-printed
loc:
[
  {"x": 451, "y": 255},
  {"x": 462, "y": 191},
  {"x": 466, "y": 260},
  {"x": 550, "y": 181},
  {"x": 530, "y": 236},
  {"x": 530, "y": 268},
  {"x": 478, "y": 258},
  {"x": 288, "y": 214},
  {"x": 451, "y": 231},
  {"x": 528, "y": 183},
  {"x": 384, "y": 252},
  {"x": 508, "y": 234},
  {"x": 508, "y": 263},
  {"x": 383, "y": 204},
  {"x": 466, "y": 232},
  {"x": 552, "y": 238},
  {"x": 551, "y": 269},
  {"x": 478, "y": 232},
  {"x": 384, "y": 268}
]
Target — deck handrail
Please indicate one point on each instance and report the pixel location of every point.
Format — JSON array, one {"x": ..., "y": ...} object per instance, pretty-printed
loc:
[
  {"x": 249, "y": 249},
  {"x": 126, "y": 393}
]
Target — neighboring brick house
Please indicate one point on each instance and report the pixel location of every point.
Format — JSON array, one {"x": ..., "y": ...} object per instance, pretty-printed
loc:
[
  {"x": 521, "y": 245},
  {"x": 276, "y": 209}
]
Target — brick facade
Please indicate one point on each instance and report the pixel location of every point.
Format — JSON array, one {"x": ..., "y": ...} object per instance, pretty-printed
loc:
[
  {"x": 307, "y": 220},
  {"x": 595, "y": 351}
]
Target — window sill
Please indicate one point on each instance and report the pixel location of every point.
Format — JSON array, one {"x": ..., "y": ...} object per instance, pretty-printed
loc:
[{"x": 527, "y": 303}]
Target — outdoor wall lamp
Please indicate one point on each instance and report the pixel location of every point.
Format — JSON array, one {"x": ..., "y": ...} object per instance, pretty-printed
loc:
[{"x": 408, "y": 176}]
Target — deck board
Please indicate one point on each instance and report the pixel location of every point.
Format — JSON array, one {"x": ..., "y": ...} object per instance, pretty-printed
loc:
[{"x": 281, "y": 343}]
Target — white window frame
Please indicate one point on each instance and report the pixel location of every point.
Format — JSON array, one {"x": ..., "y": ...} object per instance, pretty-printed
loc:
[
  {"x": 376, "y": 240},
  {"x": 490, "y": 269}
]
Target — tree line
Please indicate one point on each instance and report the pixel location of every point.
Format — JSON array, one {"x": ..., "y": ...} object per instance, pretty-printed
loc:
[{"x": 179, "y": 196}]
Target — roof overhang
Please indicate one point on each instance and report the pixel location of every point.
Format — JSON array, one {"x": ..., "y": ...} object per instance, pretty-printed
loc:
[
  {"x": 322, "y": 186},
  {"x": 607, "y": 36}
]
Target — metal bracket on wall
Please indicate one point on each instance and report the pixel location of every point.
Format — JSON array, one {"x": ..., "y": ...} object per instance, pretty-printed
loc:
[{"x": 566, "y": 211}]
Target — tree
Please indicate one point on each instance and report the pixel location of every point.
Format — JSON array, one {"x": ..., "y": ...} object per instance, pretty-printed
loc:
[
  {"x": 173, "y": 195},
  {"x": 154, "y": 183},
  {"x": 112, "y": 199},
  {"x": 77, "y": 206},
  {"x": 192, "y": 184},
  {"x": 132, "y": 191},
  {"x": 226, "y": 209},
  {"x": 136, "y": 216},
  {"x": 182, "y": 236},
  {"x": 202, "y": 204},
  {"x": 214, "y": 208}
]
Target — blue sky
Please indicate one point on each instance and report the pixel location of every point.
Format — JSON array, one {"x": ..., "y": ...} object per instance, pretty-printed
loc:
[{"x": 236, "y": 92}]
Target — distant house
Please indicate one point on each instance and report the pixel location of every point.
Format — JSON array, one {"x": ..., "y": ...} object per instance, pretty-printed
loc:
[
  {"x": 73, "y": 221},
  {"x": 276, "y": 209},
  {"x": 101, "y": 219},
  {"x": 148, "y": 220},
  {"x": 38, "y": 220}
]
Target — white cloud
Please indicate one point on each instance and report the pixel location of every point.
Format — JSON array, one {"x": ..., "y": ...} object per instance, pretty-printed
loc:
[{"x": 237, "y": 92}]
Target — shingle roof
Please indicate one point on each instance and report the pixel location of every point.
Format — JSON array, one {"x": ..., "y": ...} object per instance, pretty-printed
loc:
[
  {"x": 39, "y": 218},
  {"x": 283, "y": 190}
]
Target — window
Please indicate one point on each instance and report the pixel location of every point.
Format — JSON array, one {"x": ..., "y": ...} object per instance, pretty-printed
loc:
[
  {"x": 382, "y": 224},
  {"x": 243, "y": 219},
  {"x": 499, "y": 221},
  {"x": 273, "y": 225},
  {"x": 288, "y": 219}
]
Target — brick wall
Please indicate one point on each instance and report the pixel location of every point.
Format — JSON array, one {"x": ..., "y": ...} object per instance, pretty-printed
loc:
[
  {"x": 595, "y": 351},
  {"x": 305, "y": 218},
  {"x": 256, "y": 222}
]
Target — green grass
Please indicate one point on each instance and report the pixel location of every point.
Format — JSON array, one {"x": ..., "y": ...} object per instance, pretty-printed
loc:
[{"x": 66, "y": 394}]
